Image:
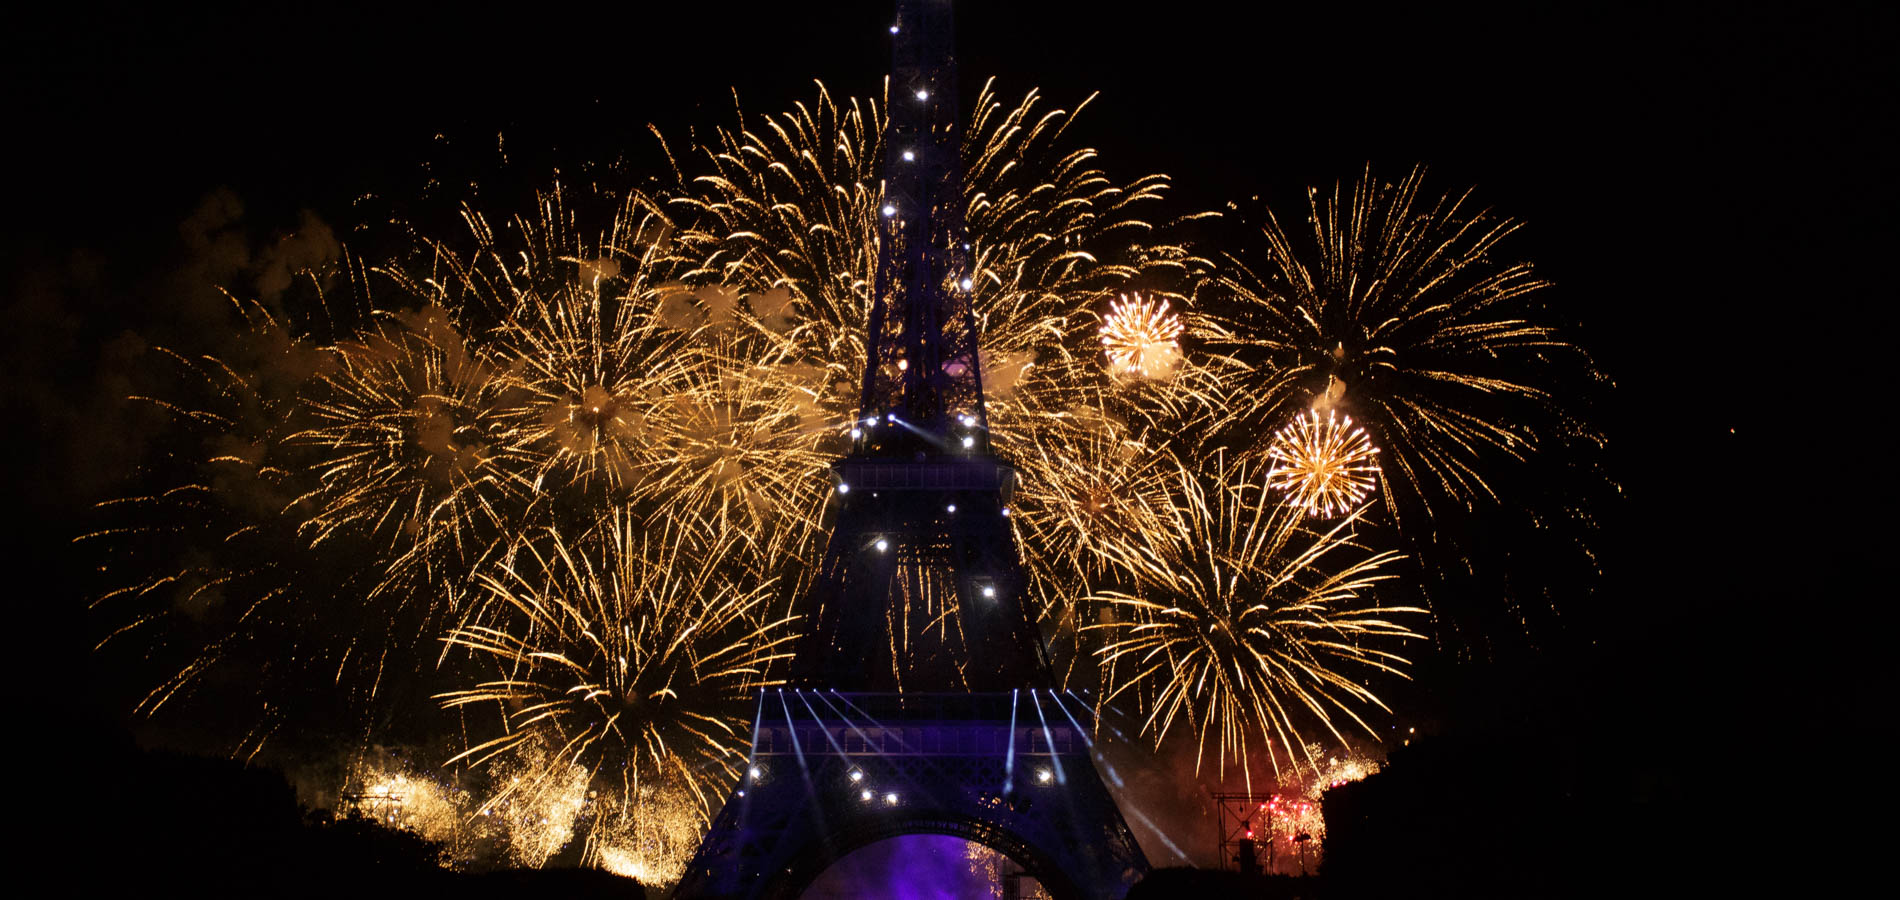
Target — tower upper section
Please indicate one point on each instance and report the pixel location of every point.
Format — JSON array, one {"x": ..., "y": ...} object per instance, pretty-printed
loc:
[{"x": 923, "y": 380}]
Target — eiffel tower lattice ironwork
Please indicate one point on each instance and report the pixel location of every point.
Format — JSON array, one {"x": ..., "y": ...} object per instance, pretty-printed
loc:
[{"x": 921, "y": 700}]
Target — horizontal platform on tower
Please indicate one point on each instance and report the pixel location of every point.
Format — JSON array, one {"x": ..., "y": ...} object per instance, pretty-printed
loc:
[
  {"x": 973, "y": 474},
  {"x": 1022, "y": 723}
]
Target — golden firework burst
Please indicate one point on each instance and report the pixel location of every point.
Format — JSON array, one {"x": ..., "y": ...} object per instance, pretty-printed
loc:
[
  {"x": 1325, "y": 466},
  {"x": 1415, "y": 301},
  {"x": 621, "y": 653},
  {"x": 1141, "y": 338},
  {"x": 1248, "y": 625}
]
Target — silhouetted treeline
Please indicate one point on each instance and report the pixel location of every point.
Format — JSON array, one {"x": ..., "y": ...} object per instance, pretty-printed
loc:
[
  {"x": 1213, "y": 884},
  {"x": 178, "y": 825},
  {"x": 1457, "y": 816}
]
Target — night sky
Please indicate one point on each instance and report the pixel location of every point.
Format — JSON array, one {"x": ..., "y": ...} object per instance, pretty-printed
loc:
[{"x": 1710, "y": 189}]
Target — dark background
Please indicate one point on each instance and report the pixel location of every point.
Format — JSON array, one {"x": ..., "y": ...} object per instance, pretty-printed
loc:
[{"x": 1708, "y": 186}]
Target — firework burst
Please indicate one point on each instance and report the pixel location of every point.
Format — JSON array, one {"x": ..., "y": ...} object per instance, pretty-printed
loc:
[
  {"x": 1243, "y": 624},
  {"x": 743, "y": 452},
  {"x": 410, "y": 429},
  {"x": 589, "y": 321},
  {"x": 1141, "y": 338},
  {"x": 621, "y": 655},
  {"x": 1405, "y": 310},
  {"x": 1097, "y": 485},
  {"x": 1325, "y": 466}
]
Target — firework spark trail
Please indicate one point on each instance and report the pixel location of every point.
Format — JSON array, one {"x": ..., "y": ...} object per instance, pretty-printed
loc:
[
  {"x": 1325, "y": 466},
  {"x": 538, "y": 801},
  {"x": 216, "y": 573},
  {"x": 621, "y": 653},
  {"x": 1244, "y": 623},
  {"x": 1401, "y": 308}
]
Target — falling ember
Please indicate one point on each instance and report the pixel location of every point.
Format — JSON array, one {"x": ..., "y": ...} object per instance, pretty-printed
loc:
[
  {"x": 1326, "y": 466},
  {"x": 1141, "y": 338}
]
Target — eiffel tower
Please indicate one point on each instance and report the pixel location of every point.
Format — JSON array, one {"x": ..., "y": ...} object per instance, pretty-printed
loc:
[{"x": 921, "y": 699}]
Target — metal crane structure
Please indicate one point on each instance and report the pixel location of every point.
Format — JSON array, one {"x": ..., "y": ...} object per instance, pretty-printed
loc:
[{"x": 921, "y": 699}]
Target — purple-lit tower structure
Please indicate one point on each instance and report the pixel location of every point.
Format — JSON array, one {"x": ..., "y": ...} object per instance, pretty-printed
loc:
[{"x": 921, "y": 700}]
